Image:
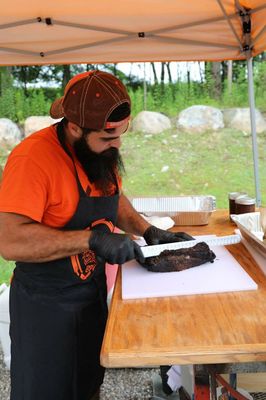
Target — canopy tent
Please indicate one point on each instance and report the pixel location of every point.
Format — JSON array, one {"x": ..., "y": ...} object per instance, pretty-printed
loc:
[
  {"x": 62, "y": 32},
  {"x": 47, "y": 32}
]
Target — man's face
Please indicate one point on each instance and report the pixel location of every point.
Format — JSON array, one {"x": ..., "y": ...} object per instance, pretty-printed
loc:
[
  {"x": 98, "y": 153},
  {"x": 101, "y": 141}
]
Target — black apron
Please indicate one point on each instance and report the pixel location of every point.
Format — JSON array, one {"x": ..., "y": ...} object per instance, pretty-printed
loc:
[{"x": 58, "y": 314}]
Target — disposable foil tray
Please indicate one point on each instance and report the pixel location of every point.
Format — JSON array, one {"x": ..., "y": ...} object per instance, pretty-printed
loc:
[
  {"x": 184, "y": 210},
  {"x": 250, "y": 227}
]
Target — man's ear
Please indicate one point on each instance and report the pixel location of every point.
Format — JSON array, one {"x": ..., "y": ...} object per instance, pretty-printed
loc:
[{"x": 74, "y": 130}]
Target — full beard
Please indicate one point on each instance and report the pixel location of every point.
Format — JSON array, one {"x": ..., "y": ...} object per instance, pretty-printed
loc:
[{"x": 100, "y": 168}]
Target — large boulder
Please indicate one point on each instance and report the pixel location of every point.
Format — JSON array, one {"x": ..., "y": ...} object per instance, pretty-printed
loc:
[
  {"x": 151, "y": 122},
  {"x": 10, "y": 133},
  {"x": 200, "y": 119},
  {"x": 239, "y": 118},
  {"x": 33, "y": 124}
]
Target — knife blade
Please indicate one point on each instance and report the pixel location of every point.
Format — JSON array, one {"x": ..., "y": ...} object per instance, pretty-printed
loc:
[{"x": 155, "y": 250}]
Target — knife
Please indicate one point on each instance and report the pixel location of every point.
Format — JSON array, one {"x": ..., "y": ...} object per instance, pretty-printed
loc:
[{"x": 155, "y": 250}]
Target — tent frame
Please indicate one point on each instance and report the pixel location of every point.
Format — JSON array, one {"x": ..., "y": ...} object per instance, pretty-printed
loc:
[
  {"x": 241, "y": 12},
  {"x": 245, "y": 47}
]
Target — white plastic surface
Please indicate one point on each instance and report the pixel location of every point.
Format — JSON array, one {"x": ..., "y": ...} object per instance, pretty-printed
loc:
[{"x": 137, "y": 282}]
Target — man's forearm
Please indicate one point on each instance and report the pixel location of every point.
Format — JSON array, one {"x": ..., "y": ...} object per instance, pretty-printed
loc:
[
  {"x": 129, "y": 220},
  {"x": 28, "y": 241}
]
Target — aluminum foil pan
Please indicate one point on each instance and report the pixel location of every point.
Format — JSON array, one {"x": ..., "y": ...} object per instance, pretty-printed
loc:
[{"x": 184, "y": 210}]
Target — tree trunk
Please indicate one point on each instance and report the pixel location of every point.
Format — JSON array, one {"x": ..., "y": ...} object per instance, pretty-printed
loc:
[
  {"x": 154, "y": 73},
  {"x": 90, "y": 67},
  {"x": 162, "y": 73},
  {"x": 66, "y": 75},
  {"x": 115, "y": 69},
  {"x": 200, "y": 72},
  {"x": 169, "y": 72},
  {"x": 188, "y": 76},
  {"x": 24, "y": 80},
  {"x": 217, "y": 79}
]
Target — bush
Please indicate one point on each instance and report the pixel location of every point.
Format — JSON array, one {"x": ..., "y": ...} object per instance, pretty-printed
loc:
[
  {"x": 17, "y": 104},
  {"x": 8, "y": 104}
]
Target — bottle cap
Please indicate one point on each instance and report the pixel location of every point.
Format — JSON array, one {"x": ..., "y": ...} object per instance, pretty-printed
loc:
[
  {"x": 245, "y": 200},
  {"x": 234, "y": 195}
]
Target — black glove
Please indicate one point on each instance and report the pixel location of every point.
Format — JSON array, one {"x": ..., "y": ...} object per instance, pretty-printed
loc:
[
  {"x": 154, "y": 235},
  {"x": 114, "y": 248}
]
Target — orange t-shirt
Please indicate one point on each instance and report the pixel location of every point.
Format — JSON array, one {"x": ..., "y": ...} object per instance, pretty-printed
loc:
[{"x": 39, "y": 180}]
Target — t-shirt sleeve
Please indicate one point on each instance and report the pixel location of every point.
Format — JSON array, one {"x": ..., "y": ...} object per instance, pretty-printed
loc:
[{"x": 24, "y": 188}]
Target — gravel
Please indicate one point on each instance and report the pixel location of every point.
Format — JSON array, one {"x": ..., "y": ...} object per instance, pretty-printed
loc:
[
  {"x": 119, "y": 384},
  {"x": 4, "y": 379}
]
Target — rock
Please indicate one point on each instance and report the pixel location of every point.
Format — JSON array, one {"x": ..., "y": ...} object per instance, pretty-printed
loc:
[
  {"x": 200, "y": 119},
  {"x": 239, "y": 118},
  {"x": 10, "y": 133},
  {"x": 33, "y": 124},
  {"x": 151, "y": 122}
]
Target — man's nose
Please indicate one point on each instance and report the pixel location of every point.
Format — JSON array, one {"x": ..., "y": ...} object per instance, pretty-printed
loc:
[{"x": 116, "y": 143}]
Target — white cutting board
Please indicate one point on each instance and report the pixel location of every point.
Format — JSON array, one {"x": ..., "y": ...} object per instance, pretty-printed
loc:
[{"x": 225, "y": 274}]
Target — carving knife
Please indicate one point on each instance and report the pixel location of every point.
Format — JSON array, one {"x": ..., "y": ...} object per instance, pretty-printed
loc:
[{"x": 155, "y": 250}]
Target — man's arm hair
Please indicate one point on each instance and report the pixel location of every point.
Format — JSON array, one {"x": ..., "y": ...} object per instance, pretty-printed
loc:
[
  {"x": 23, "y": 239},
  {"x": 128, "y": 219}
]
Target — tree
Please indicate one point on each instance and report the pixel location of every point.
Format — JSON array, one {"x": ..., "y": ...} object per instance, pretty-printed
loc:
[
  {"x": 217, "y": 79},
  {"x": 154, "y": 73},
  {"x": 169, "y": 72},
  {"x": 7, "y": 104},
  {"x": 66, "y": 75},
  {"x": 162, "y": 73},
  {"x": 24, "y": 75}
]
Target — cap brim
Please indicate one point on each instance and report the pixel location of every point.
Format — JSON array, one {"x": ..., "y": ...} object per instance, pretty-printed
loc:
[{"x": 56, "y": 110}]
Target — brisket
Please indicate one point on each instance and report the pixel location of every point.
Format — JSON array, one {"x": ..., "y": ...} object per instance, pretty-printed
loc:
[{"x": 181, "y": 259}]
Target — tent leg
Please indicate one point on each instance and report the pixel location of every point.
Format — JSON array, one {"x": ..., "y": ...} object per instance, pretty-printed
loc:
[{"x": 253, "y": 130}]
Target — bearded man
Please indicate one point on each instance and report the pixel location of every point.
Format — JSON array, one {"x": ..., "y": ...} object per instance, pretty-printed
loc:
[{"x": 60, "y": 200}]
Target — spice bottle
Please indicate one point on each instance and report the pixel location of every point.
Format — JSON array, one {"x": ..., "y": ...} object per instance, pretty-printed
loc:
[
  {"x": 232, "y": 197},
  {"x": 244, "y": 205}
]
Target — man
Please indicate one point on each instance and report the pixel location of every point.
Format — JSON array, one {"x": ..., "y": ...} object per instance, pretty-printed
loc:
[{"x": 60, "y": 200}]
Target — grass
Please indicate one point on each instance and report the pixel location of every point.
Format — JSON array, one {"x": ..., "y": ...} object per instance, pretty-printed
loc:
[
  {"x": 176, "y": 163},
  {"x": 6, "y": 269}
]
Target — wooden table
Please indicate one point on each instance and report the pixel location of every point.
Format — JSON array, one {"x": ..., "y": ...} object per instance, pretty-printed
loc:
[{"x": 197, "y": 329}]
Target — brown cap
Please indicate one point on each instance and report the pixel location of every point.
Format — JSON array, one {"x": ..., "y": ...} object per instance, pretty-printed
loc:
[{"x": 89, "y": 99}]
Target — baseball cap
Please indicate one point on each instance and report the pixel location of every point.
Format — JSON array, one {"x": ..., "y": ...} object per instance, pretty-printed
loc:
[{"x": 89, "y": 99}]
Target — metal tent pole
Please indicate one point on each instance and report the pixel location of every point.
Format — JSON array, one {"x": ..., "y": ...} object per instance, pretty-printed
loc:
[{"x": 253, "y": 130}]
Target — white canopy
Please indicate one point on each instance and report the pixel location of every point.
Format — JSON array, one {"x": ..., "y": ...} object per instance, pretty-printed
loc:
[{"x": 82, "y": 31}]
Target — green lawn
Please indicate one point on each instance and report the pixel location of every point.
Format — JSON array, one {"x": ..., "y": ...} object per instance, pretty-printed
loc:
[
  {"x": 212, "y": 163},
  {"x": 6, "y": 269}
]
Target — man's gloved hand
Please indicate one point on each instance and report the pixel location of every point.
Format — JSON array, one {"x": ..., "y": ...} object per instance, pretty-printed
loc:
[
  {"x": 154, "y": 235},
  {"x": 114, "y": 248}
]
